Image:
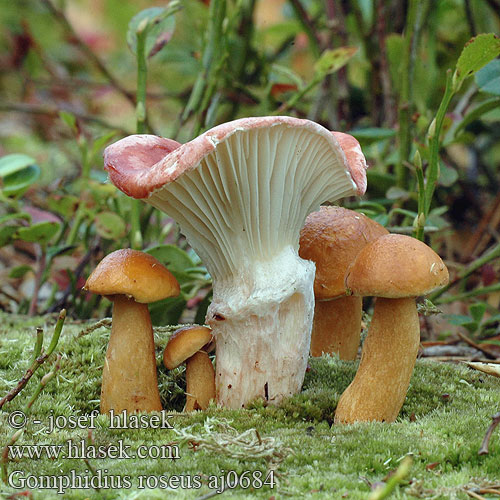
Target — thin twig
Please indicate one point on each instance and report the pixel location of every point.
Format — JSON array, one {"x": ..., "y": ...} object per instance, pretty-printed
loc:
[
  {"x": 474, "y": 495},
  {"x": 36, "y": 109},
  {"x": 308, "y": 25},
  {"x": 60, "y": 16},
  {"x": 491, "y": 254},
  {"x": 41, "y": 265},
  {"x": 78, "y": 271},
  {"x": 37, "y": 363},
  {"x": 484, "y": 450},
  {"x": 479, "y": 347}
]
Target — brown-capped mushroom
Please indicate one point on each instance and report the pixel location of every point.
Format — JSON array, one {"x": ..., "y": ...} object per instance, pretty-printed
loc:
[
  {"x": 395, "y": 269},
  {"x": 331, "y": 238},
  {"x": 186, "y": 345},
  {"x": 131, "y": 279}
]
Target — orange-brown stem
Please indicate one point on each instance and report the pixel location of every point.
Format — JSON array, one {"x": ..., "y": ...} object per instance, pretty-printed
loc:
[
  {"x": 200, "y": 382},
  {"x": 337, "y": 327},
  {"x": 387, "y": 360},
  {"x": 129, "y": 380}
]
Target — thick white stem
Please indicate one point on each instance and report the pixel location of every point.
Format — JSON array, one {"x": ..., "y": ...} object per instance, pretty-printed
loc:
[{"x": 262, "y": 322}]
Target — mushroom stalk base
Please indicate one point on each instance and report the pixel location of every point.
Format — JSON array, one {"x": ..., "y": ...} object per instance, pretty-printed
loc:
[
  {"x": 129, "y": 380},
  {"x": 262, "y": 329},
  {"x": 387, "y": 361},
  {"x": 337, "y": 327}
]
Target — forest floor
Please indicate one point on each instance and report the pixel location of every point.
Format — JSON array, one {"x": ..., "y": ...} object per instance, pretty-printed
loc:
[{"x": 290, "y": 451}]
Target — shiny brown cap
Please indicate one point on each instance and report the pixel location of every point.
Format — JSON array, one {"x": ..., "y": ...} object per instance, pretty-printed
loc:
[
  {"x": 332, "y": 238},
  {"x": 135, "y": 274},
  {"x": 396, "y": 266},
  {"x": 184, "y": 343}
]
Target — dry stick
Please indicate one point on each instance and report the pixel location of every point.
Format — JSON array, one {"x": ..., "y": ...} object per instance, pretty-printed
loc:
[
  {"x": 486, "y": 441},
  {"x": 37, "y": 362},
  {"x": 35, "y": 109},
  {"x": 490, "y": 491},
  {"x": 479, "y": 347},
  {"x": 474, "y": 495}
]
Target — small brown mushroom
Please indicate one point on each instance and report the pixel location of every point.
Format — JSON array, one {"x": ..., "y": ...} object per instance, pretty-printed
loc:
[
  {"x": 331, "y": 238},
  {"x": 186, "y": 344},
  {"x": 131, "y": 279},
  {"x": 395, "y": 269}
]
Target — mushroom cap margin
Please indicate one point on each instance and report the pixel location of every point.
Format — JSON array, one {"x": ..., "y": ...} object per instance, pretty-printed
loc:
[
  {"x": 396, "y": 266},
  {"x": 332, "y": 237},
  {"x": 135, "y": 274},
  {"x": 184, "y": 343}
]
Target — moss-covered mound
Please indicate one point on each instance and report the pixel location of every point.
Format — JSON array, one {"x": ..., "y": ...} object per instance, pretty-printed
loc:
[{"x": 442, "y": 423}]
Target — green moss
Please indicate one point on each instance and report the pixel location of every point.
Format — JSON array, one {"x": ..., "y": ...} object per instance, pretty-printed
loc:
[{"x": 442, "y": 422}]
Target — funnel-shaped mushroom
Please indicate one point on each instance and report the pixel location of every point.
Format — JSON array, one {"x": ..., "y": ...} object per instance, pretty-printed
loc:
[
  {"x": 241, "y": 192},
  {"x": 395, "y": 269}
]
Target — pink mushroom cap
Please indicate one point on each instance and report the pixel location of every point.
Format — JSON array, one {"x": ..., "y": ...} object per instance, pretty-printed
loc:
[{"x": 141, "y": 164}]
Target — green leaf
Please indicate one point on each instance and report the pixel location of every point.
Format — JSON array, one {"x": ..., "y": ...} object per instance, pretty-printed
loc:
[
  {"x": 447, "y": 175},
  {"x": 382, "y": 219},
  {"x": 478, "y": 52},
  {"x": 167, "y": 311},
  {"x": 41, "y": 233},
  {"x": 279, "y": 73},
  {"x": 332, "y": 60},
  {"x": 477, "y": 112},
  {"x": 7, "y": 234},
  {"x": 109, "y": 225},
  {"x": 201, "y": 312},
  {"x": 397, "y": 193},
  {"x": 13, "y": 163},
  {"x": 172, "y": 257},
  {"x": 488, "y": 78},
  {"x": 460, "y": 320},
  {"x": 69, "y": 119},
  {"x": 477, "y": 311},
  {"x": 17, "y": 183},
  {"x": 64, "y": 205},
  {"x": 17, "y": 215},
  {"x": 100, "y": 142},
  {"x": 19, "y": 271},
  {"x": 372, "y": 134},
  {"x": 157, "y": 23}
]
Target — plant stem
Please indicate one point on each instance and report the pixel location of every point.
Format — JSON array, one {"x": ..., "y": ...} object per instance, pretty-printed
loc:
[
  {"x": 493, "y": 253},
  {"x": 308, "y": 26},
  {"x": 37, "y": 362},
  {"x": 415, "y": 16},
  {"x": 142, "y": 74},
  {"x": 41, "y": 263},
  {"x": 298, "y": 96},
  {"x": 473, "y": 293},
  {"x": 435, "y": 141},
  {"x": 214, "y": 53}
]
